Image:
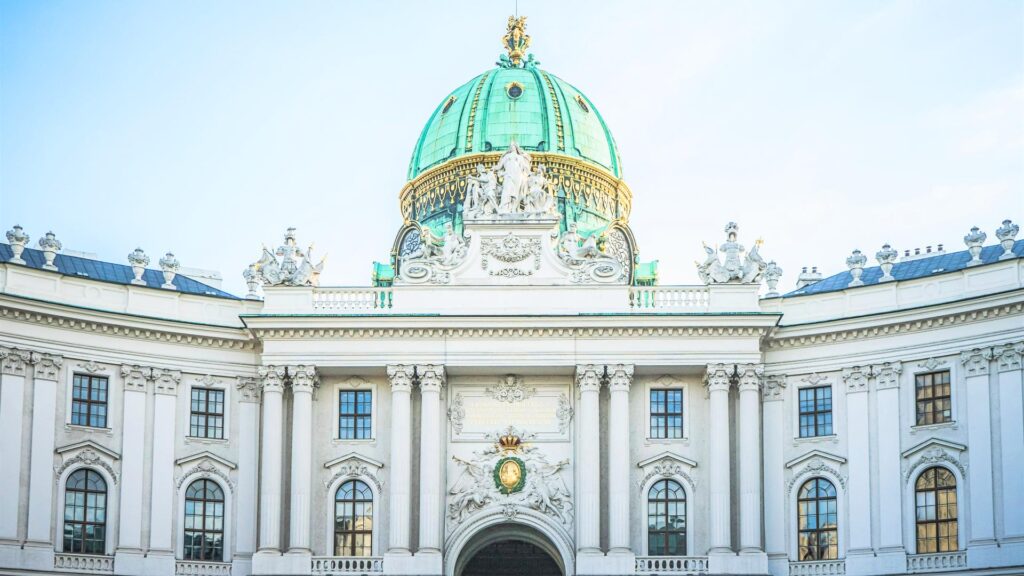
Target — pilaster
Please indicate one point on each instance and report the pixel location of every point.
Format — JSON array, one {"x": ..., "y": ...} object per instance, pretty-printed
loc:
[
  {"x": 136, "y": 382},
  {"x": 14, "y": 364},
  {"x": 161, "y": 518},
  {"x": 303, "y": 380},
  {"x": 247, "y": 501},
  {"x": 620, "y": 377},
  {"x": 399, "y": 503},
  {"x": 431, "y": 381},
  {"x": 588, "y": 449},
  {"x": 890, "y": 491},
  {"x": 46, "y": 369},
  {"x": 1011, "y": 428},
  {"x": 977, "y": 393},
  {"x": 773, "y": 394},
  {"x": 718, "y": 381},
  {"x": 855, "y": 379},
  {"x": 272, "y": 382},
  {"x": 749, "y": 384}
]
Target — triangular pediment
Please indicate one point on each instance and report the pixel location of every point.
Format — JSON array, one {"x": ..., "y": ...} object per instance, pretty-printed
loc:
[
  {"x": 354, "y": 456},
  {"x": 88, "y": 444},
  {"x": 206, "y": 455},
  {"x": 938, "y": 442},
  {"x": 815, "y": 454},
  {"x": 667, "y": 456}
]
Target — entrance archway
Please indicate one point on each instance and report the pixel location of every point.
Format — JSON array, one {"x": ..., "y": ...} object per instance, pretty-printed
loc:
[{"x": 509, "y": 550}]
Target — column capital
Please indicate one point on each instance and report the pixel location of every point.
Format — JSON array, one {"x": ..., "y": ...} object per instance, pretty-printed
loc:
[
  {"x": 248, "y": 389},
  {"x": 588, "y": 377},
  {"x": 432, "y": 377},
  {"x": 620, "y": 376},
  {"x": 856, "y": 378},
  {"x": 136, "y": 377},
  {"x": 303, "y": 378},
  {"x": 750, "y": 377},
  {"x": 47, "y": 366},
  {"x": 14, "y": 361},
  {"x": 975, "y": 361},
  {"x": 400, "y": 376},
  {"x": 718, "y": 376},
  {"x": 165, "y": 381},
  {"x": 774, "y": 387},
  {"x": 271, "y": 378},
  {"x": 1008, "y": 356},
  {"x": 887, "y": 375}
]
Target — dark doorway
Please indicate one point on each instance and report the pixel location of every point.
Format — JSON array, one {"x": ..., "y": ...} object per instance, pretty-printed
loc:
[{"x": 511, "y": 558}]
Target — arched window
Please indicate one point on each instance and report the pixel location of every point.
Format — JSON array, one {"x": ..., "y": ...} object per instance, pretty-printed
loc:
[
  {"x": 666, "y": 519},
  {"x": 204, "y": 521},
  {"x": 353, "y": 519},
  {"x": 818, "y": 520},
  {"x": 85, "y": 513},
  {"x": 935, "y": 495}
]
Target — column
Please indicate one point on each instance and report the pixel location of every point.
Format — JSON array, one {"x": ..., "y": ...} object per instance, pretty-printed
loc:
[
  {"x": 1011, "y": 428},
  {"x": 773, "y": 399},
  {"x": 272, "y": 378},
  {"x": 13, "y": 364},
  {"x": 44, "y": 415},
  {"x": 750, "y": 456},
  {"x": 718, "y": 381},
  {"x": 890, "y": 488},
  {"x": 620, "y": 377},
  {"x": 401, "y": 474},
  {"x": 858, "y": 437},
  {"x": 136, "y": 380},
  {"x": 979, "y": 438},
  {"x": 588, "y": 446},
  {"x": 161, "y": 519},
  {"x": 303, "y": 380},
  {"x": 432, "y": 379},
  {"x": 246, "y": 503}
]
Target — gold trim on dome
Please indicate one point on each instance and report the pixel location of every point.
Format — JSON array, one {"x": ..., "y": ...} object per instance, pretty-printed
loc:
[
  {"x": 582, "y": 103},
  {"x": 558, "y": 111},
  {"x": 448, "y": 104},
  {"x": 472, "y": 112}
]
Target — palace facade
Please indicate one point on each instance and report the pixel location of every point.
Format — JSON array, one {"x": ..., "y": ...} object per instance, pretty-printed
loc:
[{"x": 514, "y": 393}]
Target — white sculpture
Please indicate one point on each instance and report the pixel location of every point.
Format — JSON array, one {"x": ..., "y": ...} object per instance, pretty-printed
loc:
[
  {"x": 772, "y": 273},
  {"x": 169, "y": 265},
  {"x": 886, "y": 259},
  {"x": 17, "y": 239},
  {"x": 570, "y": 248},
  {"x": 974, "y": 240},
  {"x": 747, "y": 270},
  {"x": 453, "y": 247},
  {"x": 50, "y": 246},
  {"x": 481, "y": 190},
  {"x": 1007, "y": 234},
  {"x": 138, "y": 261},
  {"x": 252, "y": 281},
  {"x": 435, "y": 257},
  {"x": 539, "y": 197},
  {"x": 855, "y": 262},
  {"x": 514, "y": 169},
  {"x": 289, "y": 265}
]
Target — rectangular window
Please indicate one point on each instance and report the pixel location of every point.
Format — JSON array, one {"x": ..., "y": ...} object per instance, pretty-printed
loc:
[
  {"x": 933, "y": 398},
  {"x": 815, "y": 411},
  {"x": 89, "y": 401},
  {"x": 355, "y": 409},
  {"x": 666, "y": 413},
  {"x": 207, "y": 413}
]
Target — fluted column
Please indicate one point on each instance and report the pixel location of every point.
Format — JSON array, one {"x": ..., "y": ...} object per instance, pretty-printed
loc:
[
  {"x": 858, "y": 438},
  {"x": 303, "y": 380},
  {"x": 44, "y": 412},
  {"x": 750, "y": 456},
  {"x": 588, "y": 446},
  {"x": 431, "y": 382},
  {"x": 401, "y": 438},
  {"x": 718, "y": 382},
  {"x": 272, "y": 378},
  {"x": 13, "y": 365},
  {"x": 620, "y": 376}
]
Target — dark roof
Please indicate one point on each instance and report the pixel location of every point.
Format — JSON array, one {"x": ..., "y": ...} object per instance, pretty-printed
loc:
[
  {"x": 920, "y": 268},
  {"x": 110, "y": 272}
]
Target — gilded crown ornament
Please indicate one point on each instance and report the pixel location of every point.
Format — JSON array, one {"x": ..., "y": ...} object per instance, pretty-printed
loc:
[
  {"x": 509, "y": 442},
  {"x": 515, "y": 40}
]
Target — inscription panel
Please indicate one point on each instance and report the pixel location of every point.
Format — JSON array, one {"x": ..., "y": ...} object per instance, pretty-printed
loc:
[{"x": 478, "y": 408}]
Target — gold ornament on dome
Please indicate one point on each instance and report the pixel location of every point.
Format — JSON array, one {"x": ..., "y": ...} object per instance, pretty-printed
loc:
[{"x": 516, "y": 40}]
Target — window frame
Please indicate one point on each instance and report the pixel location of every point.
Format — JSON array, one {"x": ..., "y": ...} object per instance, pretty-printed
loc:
[
  {"x": 666, "y": 533},
  {"x": 917, "y": 401},
  {"x": 817, "y": 531},
  {"x": 207, "y": 415},
  {"x": 816, "y": 413},
  {"x": 667, "y": 383},
  {"x": 354, "y": 501},
  {"x": 88, "y": 402},
  {"x": 354, "y": 383},
  {"x": 224, "y": 514},
  {"x": 355, "y": 415},
  {"x": 915, "y": 506},
  {"x": 105, "y": 524}
]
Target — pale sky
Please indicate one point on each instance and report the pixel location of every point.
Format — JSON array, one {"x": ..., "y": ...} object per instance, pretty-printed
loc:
[{"x": 207, "y": 128}]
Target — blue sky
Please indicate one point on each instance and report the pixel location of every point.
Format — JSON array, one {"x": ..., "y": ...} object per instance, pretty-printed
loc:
[{"x": 207, "y": 128}]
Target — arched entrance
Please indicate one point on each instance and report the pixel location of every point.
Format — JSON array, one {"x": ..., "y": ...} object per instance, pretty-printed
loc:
[{"x": 509, "y": 550}]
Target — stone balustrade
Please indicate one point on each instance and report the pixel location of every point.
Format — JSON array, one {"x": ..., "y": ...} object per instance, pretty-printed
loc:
[
  {"x": 344, "y": 299},
  {"x": 671, "y": 565},
  {"x": 327, "y": 565},
  {"x": 669, "y": 298},
  {"x": 83, "y": 563},
  {"x": 936, "y": 562},
  {"x": 817, "y": 568},
  {"x": 197, "y": 568}
]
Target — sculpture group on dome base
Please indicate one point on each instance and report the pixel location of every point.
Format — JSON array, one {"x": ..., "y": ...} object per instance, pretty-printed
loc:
[
  {"x": 522, "y": 192},
  {"x": 739, "y": 266}
]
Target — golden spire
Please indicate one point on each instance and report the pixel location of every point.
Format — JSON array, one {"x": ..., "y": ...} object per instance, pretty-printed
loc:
[{"x": 516, "y": 40}]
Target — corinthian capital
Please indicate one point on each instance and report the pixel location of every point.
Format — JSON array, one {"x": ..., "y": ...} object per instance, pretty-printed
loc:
[
  {"x": 432, "y": 377},
  {"x": 887, "y": 375},
  {"x": 136, "y": 377},
  {"x": 1008, "y": 356},
  {"x": 400, "y": 376},
  {"x": 588, "y": 377},
  {"x": 750, "y": 376},
  {"x": 47, "y": 366},
  {"x": 14, "y": 361},
  {"x": 166, "y": 381},
  {"x": 271, "y": 378},
  {"x": 620, "y": 376},
  {"x": 975, "y": 361},
  {"x": 718, "y": 376},
  {"x": 774, "y": 387},
  {"x": 303, "y": 378},
  {"x": 856, "y": 378}
]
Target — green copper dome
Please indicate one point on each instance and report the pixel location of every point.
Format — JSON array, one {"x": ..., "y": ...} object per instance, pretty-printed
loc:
[{"x": 538, "y": 110}]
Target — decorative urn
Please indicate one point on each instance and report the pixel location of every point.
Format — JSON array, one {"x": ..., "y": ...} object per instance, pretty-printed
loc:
[
  {"x": 139, "y": 261},
  {"x": 169, "y": 265},
  {"x": 17, "y": 239},
  {"x": 772, "y": 273},
  {"x": 1007, "y": 234},
  {"x": 49, "y": 245},
  {"x": 886, "y": 259},
  {"x": 974, "y": 241},
  {"x": 252, "y": 281},
  {"x": 855, "y": 262}
]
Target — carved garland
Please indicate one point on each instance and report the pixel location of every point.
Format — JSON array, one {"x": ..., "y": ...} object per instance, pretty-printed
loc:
[
  {"x": 206, "y": 469},
  {"x": 511, "y": 249},
  {"x": 667, "y": 468},
  {"x": 354, "y": 469},
  {"x": 457, "y": 413},
  {"x": 934, "y": 455},
  {"x": 813, "y": 468},
  {"x": 87, "y": 457},
  {"x": 563, "y": 413}
]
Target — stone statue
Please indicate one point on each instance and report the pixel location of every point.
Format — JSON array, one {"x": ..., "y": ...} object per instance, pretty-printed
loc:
[
  {"x": 453, "y": 247},
  {"x": 473, "y": 490},
  {"x": 514, "y": 169},
  {"x": 289, "y": 265},
  {"x": 434, "y": 258},
  {"x": 747, "y": 268},
  {"x": 480, "y": 194},
  {"x": 539, "y": 199}
]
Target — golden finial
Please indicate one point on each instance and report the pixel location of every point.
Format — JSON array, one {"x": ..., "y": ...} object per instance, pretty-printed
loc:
[{"x": 516, "y": 40}]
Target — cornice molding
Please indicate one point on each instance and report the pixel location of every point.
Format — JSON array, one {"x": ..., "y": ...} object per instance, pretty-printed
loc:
[{"x": 506, "y": 332}]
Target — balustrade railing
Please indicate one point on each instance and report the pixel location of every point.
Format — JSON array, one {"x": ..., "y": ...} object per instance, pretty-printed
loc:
[
  {"x": 83, "y": 563},
  {"x": 817, "y": 568},
  {"x": 352, "y": 299},
  {"x": 937, "y": 562},
  {"x": 328, "y": 565},
  {"x": 669, "y": 298},
  {"x": 671, "y": 565},
  {"x": 199, "y": 568}
]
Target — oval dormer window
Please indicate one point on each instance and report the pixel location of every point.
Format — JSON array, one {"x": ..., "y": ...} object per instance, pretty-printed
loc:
[{"x": 514, "y": 90}]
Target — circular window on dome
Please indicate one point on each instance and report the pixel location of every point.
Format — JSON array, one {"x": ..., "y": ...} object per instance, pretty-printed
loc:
[
  {"x": 582, "y": 103},
  {"x": 514, "y": 90},
  {"x": 448, "y": 105}
]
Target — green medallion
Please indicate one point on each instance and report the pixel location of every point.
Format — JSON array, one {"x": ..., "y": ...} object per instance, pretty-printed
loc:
[{"x": 509, "y": 475}]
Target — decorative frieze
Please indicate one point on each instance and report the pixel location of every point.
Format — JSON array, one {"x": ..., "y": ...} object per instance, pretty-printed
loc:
[
  {"x": 510, "y": 389},
  {"x": 887, "y": 375},
  {"x": 431, "y": 376},
  {"x": 1008, "y": 356},
  {"x": 814, "y": 379},
  {"x": 271, "y": 378},
  {"x": 750, "y": 376},
  {"x": 856, "y": 378},
  {"x": 588, "y": 377},
  {"x": 932, "y": 364},
  {"x": 719, "y": 376},
  {"x": 774, "y": 387},
  {"x": 976, "y": 361},
  {"x": 620, "y": 376},
  {"x": 248, "y": 389},
  {"x": 400, "y": 376},
  {"x": 91, "y": 367}
]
